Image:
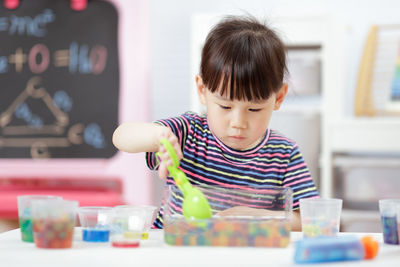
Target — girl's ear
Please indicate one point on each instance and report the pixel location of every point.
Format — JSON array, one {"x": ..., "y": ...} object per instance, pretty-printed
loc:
[
  {"x": 280, "y": 96},
  {"x": 201, "y": 89}
]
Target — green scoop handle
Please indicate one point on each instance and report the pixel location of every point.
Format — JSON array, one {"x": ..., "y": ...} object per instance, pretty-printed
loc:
[{"x": 195, "y": 204}]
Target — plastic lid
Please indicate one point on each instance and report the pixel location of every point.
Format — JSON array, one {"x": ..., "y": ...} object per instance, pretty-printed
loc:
[{"x": 370, "y": 246}]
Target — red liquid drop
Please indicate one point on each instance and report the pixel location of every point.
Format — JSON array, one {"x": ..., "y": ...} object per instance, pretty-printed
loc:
[{"x": 125, "y": 244}]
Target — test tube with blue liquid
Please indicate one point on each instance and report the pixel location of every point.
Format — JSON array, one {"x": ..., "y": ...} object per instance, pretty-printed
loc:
[
  {"x": 389, "y": 209},
  {"x": 95, "y": 222},
  {"x": 338, "y": 248}
]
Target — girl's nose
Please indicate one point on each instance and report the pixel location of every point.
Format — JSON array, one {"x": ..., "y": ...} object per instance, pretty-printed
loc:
[{"x": 238, "y": 120}]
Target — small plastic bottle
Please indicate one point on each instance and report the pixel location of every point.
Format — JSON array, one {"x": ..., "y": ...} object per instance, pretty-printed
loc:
[{"x": 341, "y": 248}]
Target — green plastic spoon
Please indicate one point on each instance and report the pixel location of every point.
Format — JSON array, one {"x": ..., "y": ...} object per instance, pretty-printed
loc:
[{"x": 195, "y": 204}]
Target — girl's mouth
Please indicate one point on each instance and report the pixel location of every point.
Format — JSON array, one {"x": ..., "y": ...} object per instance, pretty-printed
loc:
[{"x": 235, "y": 137}]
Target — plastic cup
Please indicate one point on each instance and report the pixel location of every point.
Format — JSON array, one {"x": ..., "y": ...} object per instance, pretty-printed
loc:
[
  {"x": 95, "y": 222},
  {"x": 131, "y": 224},
  {"x": 389, "y": 210},
  {"x": 320, "y": 216},
  {"x": 54, "y": 222},
  {"x": 149, "y": 214},
  {"x": 25, "y": 214}
]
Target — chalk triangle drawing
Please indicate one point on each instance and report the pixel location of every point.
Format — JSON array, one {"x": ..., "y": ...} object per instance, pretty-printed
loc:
[{"x": 34, "y": 90}]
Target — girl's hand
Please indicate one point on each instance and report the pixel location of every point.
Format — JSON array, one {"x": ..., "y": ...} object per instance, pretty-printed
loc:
[{"x": 165, "y": 159}]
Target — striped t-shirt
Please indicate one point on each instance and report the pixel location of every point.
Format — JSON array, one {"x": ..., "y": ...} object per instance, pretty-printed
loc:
[{"x": 275, "y": 161}]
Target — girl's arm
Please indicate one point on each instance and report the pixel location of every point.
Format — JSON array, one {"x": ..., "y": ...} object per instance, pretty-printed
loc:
[
  {"x": 136, "y": 137},
  {"x": 296, "y": 221}
]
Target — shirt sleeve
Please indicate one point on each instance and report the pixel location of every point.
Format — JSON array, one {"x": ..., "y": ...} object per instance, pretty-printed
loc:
[
  {"x": 298, "y": 178},
  {"x": 179, "y": 126}
]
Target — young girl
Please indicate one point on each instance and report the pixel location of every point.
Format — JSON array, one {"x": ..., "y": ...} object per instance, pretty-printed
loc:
[{"x": 240, "y": 83}]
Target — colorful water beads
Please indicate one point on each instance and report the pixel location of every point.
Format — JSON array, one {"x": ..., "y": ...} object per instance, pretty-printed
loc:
[
  {"x": 227, "y": 232},
  {"x": 313, "y": 227},
  {"x": 56, "y": 233}
]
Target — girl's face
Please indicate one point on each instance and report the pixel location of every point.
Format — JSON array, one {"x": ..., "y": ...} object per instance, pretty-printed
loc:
[{"x": 238, "y": 124}]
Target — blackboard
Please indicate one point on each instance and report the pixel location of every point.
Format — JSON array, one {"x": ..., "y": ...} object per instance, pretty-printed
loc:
[{"x": 59, "y": 80}]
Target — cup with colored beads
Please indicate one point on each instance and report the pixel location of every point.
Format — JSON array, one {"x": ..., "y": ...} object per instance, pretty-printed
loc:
[
  {"x": 95, "y": 222},
  {"x": 320, "y": 216},
  {"x": 131, "y": 224},
  {"x": 54, "y": 222},
  {"x": 390, "y": 214},
  {"x": 25, "y": 214}
]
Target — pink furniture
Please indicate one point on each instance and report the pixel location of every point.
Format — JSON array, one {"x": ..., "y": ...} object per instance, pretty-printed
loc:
[{"x": 101, "y": 191}]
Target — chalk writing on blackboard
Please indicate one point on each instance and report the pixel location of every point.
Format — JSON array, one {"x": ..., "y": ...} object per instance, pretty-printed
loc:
[
  {"x": 78, "y": 58},
  {"x": 60, "y": 80},
  {"x": 26, "y": 25}
]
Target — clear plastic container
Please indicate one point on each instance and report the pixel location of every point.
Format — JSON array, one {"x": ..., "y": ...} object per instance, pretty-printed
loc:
[
  {"x": 25, "y": 214},
  {"x": 130, "y": 225},
  {"x": 54, "y": 222},
  {"x": 327, "y": 249},
  {"x": 95, "y": 222},
  {"x": 320, "y": 216},
  {"x": 255, "y": 218}
]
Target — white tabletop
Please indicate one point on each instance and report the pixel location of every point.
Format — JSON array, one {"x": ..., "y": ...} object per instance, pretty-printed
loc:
[{"x": 154, "y": 252}]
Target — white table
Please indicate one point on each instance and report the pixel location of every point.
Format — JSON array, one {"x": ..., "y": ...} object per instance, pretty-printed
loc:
[{"x": 154, "y": 252}]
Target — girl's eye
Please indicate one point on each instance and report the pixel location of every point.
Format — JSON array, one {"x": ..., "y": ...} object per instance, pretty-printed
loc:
[
  {"x": 225, "y": 107},
  {"x": 254, "y": 109}
]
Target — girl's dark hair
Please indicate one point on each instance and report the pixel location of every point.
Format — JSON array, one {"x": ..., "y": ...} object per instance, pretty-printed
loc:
[{"x": 244, "y": 56}]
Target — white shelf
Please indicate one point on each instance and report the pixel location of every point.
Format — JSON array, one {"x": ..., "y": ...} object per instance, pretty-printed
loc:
[
  {"x": 365, "y": 161},
  {"x": 360, "y": 221},
  {"x": 366, "y": 135},
  {"x": 360, "y": 215}
]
